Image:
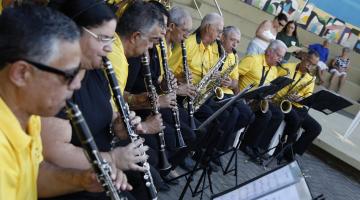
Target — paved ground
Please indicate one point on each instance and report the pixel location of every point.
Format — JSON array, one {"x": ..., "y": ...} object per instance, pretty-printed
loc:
[{"x": 324, "y": 175}]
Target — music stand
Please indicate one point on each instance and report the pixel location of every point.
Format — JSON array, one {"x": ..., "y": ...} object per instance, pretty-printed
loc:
[
  {"x": 206, "y": 148},
  {"x": 324, "y": 101},
  {"x": 259, "y": 93},
  {"x": 284, "y": 182}
]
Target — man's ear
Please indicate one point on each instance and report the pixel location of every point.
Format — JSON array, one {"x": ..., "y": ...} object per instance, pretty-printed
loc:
[
  {"x": 171, "y": 26},
  {"x": 134, "y": 36},
  {"x": 19, "y": 73}
]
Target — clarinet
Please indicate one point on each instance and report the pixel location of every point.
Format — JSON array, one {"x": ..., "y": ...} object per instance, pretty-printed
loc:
[
  {"x": 187, "y": 79},
  {"x": 175, "y": 111},
  {"x": 123, "y": 108},
  {"x": 100, "y": 166},
  {"x": 164, "y": 165}
]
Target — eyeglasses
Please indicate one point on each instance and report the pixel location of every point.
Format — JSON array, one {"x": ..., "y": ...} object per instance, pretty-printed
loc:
[
  {"x": 101, "y": 38},
  {"x": 68, "y": 75}
]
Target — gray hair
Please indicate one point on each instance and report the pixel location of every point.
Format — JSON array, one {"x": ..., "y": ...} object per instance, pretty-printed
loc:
[
  {"x": 210, "y": 19},
  {"x": 139, "y": 16},
  {"x": 346, "y": 49},
  {"x": 179, "y": 15},
  {"x": 33, "y": 33},
  {"x": 276, "y": 44},
  {"x": 230, "y": 29}
]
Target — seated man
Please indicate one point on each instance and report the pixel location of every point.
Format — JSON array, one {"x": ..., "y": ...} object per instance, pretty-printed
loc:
[
  {"x": 301, "y": 87},
  {"x": 39, "y": 59},
  {"x": 261, "y": 69}
]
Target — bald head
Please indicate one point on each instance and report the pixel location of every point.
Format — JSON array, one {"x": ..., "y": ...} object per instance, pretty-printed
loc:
[
  {"x": 211, "y": 19},
  {"x": 211, "y": 28}
]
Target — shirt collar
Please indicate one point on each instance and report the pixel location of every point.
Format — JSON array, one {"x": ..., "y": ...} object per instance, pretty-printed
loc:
[{"x": 11, "y": 128}]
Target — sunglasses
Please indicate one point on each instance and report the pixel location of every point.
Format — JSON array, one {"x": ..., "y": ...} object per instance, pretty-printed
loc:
[{"x": 69, "y": 75}]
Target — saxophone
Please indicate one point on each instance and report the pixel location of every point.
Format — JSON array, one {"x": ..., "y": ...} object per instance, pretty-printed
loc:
[
  {"x": 175, "y": 111},
  {"x": 123, "y": 108},
  {"x": 100, "y": 166},
  {"x": 214, "y": 85},
  {"x": 208, "y": 78},
  {"x": 286, "y": 99}
]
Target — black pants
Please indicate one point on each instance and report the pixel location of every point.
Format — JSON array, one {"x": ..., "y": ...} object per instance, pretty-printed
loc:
[
  {"x": 241, "y": 115},
  {"x": 299, "y": 117},
  {"x": 262, "y": 130}
]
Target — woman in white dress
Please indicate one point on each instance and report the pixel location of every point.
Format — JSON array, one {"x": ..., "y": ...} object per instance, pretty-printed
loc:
[{"x": 265, "y": 33}]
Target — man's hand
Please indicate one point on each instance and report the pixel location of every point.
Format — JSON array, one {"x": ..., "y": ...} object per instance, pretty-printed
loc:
[
  {"x": 152, "y": 125},
  {"x": 126, "y": 158},
  {"x": 186, "y": 90},
  {"x": 119, "y": 126},
  {"x": 90, "y": 182},
  {"x": 173, "y": 82},
  {"x": 226, "y": 82},
  {"x": 168, "y": 100}
]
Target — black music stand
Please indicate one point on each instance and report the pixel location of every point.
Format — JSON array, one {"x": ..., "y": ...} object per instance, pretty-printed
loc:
[
  {"x": 206, "y": 149},
  {"x": 259, "y": 94},
  {"x": 324, "y": 101}
]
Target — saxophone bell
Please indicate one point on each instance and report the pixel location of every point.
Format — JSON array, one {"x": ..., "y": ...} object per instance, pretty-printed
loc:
[
  {"x": 285, "y": 106},
  {"x": 219, "y": 93}
]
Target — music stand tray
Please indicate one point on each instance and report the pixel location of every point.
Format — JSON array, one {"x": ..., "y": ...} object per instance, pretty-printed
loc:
[
  {"x": 282, "y": 183},
  {"x": 326, "y": 102}
]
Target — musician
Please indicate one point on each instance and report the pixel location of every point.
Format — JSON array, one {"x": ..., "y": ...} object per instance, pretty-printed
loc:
[
  {"x": 301, "y": 87},
  {"x": 135, "y": 84},
  {"x": 230, "y": 39},
  {"x": 260, "y": 69},
  {"x": 137, "y": 30},
  {"x": 27, "y": 89},
  {"x": 179, "y": 26},
  {"x": 135, "y": 36},
  {"x": 97, "y": 23},
  {"x": 203, "y": 52}
]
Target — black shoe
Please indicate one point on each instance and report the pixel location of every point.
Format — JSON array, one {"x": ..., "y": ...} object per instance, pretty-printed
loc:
[
  {"x": 216, "y": 161},
  {"x": 168, "y": 178},
  {"x": 187, "y": 164},
  {"x": 213, "y": 167},
  {"x": 251, "y": 152},
  {"x": 163, "y": 187}
]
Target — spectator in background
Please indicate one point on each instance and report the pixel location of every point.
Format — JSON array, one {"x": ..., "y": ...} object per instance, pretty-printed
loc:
[
  {"x": 265, "y": 33},
  {"x": 323, "y": 51},
  {"x": 339, "y": 67},
  {"x": 289, "y": 36}
]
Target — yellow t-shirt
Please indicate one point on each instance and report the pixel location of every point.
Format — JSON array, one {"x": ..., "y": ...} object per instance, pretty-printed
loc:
[
  {"x": 306, "y": 80},
  {"x": 250, "y": 70},
  {"x": 119, "y": 62},
  {"x": 21, "y": 155},
  {"x": 234, "y": 75},
  {"x": 200, "y": 59}
]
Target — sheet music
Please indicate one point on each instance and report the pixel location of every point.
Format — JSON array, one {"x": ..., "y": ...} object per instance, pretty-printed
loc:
[{"x": 282, "y": 181}]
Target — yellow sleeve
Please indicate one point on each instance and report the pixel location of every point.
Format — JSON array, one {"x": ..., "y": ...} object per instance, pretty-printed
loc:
[
  {"x": 119, "y": 62},
  {"x": 8, "y": 175},
  {"x": 161, "y": 60},
  {"x": 234, "y": 75},
  {"x": 308, "y": 90},
  {"x": 175, "y": 61},
  {"x": 245, "y": 65}
]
